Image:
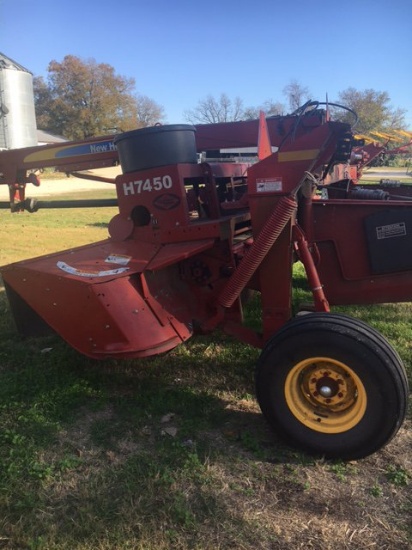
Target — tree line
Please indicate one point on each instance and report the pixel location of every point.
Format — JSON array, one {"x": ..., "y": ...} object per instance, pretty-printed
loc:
[
  {"x": 372, "y": 108},
  {"x": 82, "y": 98}
]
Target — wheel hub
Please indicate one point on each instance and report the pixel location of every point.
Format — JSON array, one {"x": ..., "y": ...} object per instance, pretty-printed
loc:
[
  {"x": 325, "y": 391},
  {"x": 325, "y": 395},
  {"x": 327, "y": 387}
]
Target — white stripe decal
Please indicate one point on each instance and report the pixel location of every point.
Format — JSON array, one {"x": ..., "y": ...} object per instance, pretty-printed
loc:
[{"x": 74, "y": 271}]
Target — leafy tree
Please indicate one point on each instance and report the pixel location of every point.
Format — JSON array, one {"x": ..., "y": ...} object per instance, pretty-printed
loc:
[
  {"x": 373, "y": 110},
  {"x": 296, "y": 94},
  {"x": 42, "y": 101},
  {"x": 83, "y": 98},
  {"x": 211, "y": 110}
]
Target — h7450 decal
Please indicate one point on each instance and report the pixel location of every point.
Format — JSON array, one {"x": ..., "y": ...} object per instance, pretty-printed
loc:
[{"x": 150, "y": 184}]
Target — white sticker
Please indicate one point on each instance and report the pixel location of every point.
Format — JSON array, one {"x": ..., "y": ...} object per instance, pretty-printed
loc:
[
  {"x": 118, "y": 259},
  {"x": 79, "y": 273},
  {"x": 268, "y": 185}
]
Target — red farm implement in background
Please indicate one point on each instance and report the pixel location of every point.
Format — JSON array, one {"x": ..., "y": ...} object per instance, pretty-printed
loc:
[{"x": 191, "y": 237}]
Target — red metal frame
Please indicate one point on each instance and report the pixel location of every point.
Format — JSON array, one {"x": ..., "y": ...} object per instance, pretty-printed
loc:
[{"x": 189, "y": 239}]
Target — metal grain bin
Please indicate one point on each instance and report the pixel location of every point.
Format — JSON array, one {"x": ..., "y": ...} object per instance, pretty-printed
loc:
[{"x": 17, "y": 115}]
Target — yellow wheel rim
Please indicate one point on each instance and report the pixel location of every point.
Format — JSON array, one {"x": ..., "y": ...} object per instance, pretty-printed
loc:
[{"x": 325, "y": 395}]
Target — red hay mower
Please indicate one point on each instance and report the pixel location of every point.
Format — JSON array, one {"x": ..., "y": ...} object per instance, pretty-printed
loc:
[{"x": 191, "y": 239}]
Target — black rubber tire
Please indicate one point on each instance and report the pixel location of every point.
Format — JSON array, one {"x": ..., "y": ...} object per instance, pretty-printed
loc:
[{"x": 363, "y": 417}]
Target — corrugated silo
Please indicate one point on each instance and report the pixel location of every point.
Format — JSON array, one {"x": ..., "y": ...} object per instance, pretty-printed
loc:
[{"x": 17, "y": 114}]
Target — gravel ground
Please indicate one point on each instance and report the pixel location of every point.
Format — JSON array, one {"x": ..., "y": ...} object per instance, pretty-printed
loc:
[{"x": 50, "y": 187}]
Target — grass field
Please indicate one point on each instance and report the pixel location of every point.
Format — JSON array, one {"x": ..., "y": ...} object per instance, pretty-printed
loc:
[{"x": 172, "y": 452}]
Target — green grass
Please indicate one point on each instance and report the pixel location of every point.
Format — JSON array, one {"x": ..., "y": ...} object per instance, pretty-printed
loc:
[
  {"x": 28, "y": 235},
  {"x": 172, "y": 451}
]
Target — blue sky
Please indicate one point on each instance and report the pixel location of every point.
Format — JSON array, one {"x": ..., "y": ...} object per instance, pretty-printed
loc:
[{"x": 180, "y": 51}]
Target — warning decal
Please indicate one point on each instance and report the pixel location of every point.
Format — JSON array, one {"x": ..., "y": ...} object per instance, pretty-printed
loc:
[
  {"x": 272, "y": 185},
  {"x": 392, "y": 230}
]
